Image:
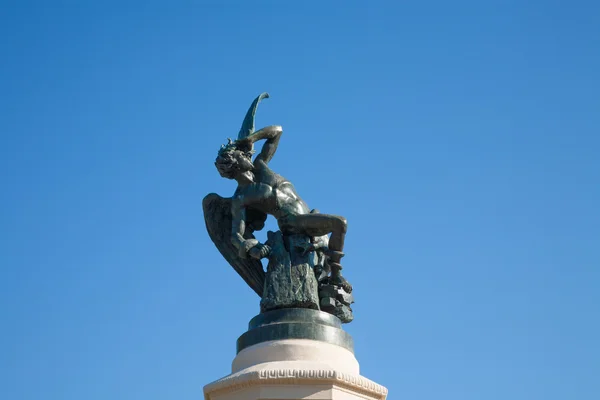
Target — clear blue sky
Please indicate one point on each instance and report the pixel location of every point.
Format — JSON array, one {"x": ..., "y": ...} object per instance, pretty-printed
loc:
[{"x": 459, "y": 138}]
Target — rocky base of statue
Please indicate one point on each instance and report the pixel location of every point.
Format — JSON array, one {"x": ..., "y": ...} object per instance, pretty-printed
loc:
[
  {"x": 297, "y": 278},
  {"x": 290, "y": 280},
  {"x": 293, "y": 354}
]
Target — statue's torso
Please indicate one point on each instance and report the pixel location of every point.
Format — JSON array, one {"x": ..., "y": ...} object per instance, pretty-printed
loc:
[{"x": 272, "y": 194}]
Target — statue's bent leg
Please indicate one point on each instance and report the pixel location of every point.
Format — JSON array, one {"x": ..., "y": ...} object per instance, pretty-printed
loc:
[{"x": 323, "y": 224}]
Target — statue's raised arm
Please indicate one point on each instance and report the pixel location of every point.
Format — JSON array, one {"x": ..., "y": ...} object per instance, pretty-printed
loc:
[
  {"x": 272, "y": 134},
  {"x": 247, "y": 136}
]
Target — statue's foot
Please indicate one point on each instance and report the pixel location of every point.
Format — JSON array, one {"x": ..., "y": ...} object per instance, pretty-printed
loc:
[{"x": 339, "y": 280}]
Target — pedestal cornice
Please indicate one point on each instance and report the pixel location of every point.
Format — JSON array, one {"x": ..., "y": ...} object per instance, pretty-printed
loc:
[{"x": 245, "y": 379}]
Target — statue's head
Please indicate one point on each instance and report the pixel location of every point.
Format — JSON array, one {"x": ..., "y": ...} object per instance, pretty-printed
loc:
[{"x": 233, "y": 160}]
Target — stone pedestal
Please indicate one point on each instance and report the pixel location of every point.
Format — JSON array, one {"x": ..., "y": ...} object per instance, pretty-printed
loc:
[{"x": 295, "y": 354}]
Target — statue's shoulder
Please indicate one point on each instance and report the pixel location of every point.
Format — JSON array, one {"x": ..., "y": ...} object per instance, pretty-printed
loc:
[
  {"x": 261, "y": 168},
  {"x": 267, "y": 175},
  {"x": 259, "y": 164}
]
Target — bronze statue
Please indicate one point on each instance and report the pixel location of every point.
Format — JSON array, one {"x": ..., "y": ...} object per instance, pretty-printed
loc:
[{"x": 261, "y": 192}]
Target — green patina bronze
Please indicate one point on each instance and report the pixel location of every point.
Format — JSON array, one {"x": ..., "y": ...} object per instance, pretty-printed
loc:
[{"x": 304, "y": 269}]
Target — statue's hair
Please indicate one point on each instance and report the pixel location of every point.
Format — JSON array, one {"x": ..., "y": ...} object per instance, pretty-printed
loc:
[
  {"x": 226, "y": 163},
  {"x": 228, "y": 148}
]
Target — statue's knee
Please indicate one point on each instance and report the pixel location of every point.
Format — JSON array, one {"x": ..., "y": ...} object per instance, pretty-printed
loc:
[{"x": 342, "y": 224}]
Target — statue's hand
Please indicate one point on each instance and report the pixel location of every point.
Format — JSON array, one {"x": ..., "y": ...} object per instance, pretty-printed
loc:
[{"x": 260, "y": 251}]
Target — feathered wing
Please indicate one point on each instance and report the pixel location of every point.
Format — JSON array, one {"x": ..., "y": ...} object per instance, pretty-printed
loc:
[{"x": 217, "y": 215}]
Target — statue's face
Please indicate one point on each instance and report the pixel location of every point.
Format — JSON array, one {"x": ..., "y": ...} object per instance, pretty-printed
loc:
[
  {"x": 232, "y": 164},
  {"x": 244, "y": 161}
]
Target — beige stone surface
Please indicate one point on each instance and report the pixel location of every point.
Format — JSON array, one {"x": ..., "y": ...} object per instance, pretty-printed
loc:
[
  {"x": 294, "y": 369},
  {"x": 287, "y": 353}
]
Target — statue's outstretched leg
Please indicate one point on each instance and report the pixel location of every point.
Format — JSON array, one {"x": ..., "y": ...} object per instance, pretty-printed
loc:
[{"x": 319, "y": 225}]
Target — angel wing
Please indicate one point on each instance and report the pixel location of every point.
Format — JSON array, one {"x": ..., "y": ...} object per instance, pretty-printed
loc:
[{"x": 217, "y": 215}]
